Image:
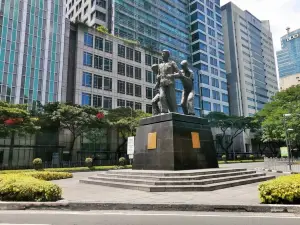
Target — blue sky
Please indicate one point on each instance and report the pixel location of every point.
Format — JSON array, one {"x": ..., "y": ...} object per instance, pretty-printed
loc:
[{"x": 280, "y": 13}]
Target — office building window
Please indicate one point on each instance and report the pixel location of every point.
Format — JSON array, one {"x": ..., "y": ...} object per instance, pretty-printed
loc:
[
  {"x": 149, "y": 76},
  {"x": 205, "y": 92},
  {"x": 222, "y": 74},
  {"x": 148, "y": 60},
  {"x": 130, "y": 104},
  {"x": 214, "y": 71},
  {"x": 121, "y": 51},
  {"x": 138, "y": 90},
  {"x": 226, "y": 109},
  {"x": 86, "y": 79},
  {"x": 99, "y": 43},
  {"x": 121, "y": 103},
  {"x": 155, "y": 60},
  {"x": 211, "y": 32},
  {"x": 129, "y": 53},
  {"x": 138, "y": 73},
  {"x": 97, "y": 81},
  {"x": 138, "y": 56},
  {"x": 138, "y": 106},
  {"x": 85, "y": 99},
  {"x": 101, "y": 3},
  {"x": 108, "y": 46},
  {"x": 108, "y": 65},
  {"x": 217, "y": 107},
  {"x": 203, "y": 67},
  {"x": 149, "y": 109},
  {"x": 224, "y": 98},
  {"x": 213, "y": 51},
  {"x": 88, "y": 39},
  {"x": 87, "y": 59},
  {"x": 129, "y": 71},
  {"x": 223, "y": 85},
  {"x": 222, "y": 65},
  {"x": 97, "y": 101},
  {"x": 107, "y": 103},
  {"x": 129, "y": 88},
  {"x": 213, "y": 61},
  {"x": 216, "y": 95},
  {"x": 121, "y": 68},
  {"x": 210, "y": 22},
  {"x": 98, "y": 62},
  {"x": 121, "y": 87},
  {"x": 206, "y": 105},
  {"x": 107, "y": 84},
  {"x": 100, "y": 15},
  {"x": 149, "y": 93},
  {"x": 204, "y": 79},
  {"x": 215, "y": 82}
]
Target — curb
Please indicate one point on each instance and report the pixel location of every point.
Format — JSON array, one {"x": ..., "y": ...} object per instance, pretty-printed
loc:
[
  {"x": 87, "y": 206},
  {"x": 276, "y": 171}
]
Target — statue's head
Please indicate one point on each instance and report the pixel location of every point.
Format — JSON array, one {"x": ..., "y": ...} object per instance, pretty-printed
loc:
[
  {"x": 184, "y": 65},
  {"x": 154, "y": 68},
  {"x": 165, "y": 54}
]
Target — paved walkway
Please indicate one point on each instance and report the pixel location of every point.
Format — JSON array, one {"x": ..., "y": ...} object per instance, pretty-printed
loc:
[{"x": 75, "y": 191}]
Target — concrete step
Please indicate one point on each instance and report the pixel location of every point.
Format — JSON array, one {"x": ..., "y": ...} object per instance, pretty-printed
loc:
[
  {"x": 176, "y": 178},
  {"x": 158, "y": 173},
  {"x": 178, "y": 188},
  {"x": 186, "y": 182}
]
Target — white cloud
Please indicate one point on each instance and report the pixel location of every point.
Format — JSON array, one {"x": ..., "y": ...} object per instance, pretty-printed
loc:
[{"x": 280, "y": 13}]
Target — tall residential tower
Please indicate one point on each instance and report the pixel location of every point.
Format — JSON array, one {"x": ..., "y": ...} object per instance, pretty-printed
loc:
[{"x": 32, "y": 50}]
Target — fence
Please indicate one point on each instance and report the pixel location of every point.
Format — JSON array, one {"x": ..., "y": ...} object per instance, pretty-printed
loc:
[
  {"x": 243, "y": 155},
  {"x": 282, "y": 164}
]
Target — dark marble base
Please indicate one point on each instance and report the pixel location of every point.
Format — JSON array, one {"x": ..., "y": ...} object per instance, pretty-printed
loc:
[{"x": 174, "y": 150}]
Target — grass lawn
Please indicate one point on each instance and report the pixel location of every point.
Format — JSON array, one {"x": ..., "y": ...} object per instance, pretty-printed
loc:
[
  {"x": 240, "y": 161},
  {"x": 71, "y": 170}
]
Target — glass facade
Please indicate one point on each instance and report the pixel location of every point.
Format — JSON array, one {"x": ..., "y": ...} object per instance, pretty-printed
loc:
[
  {"x": 208, "y": 53},
  {"x": 288, "y": 57},
  {"x": 156, "y": 24},
  {"x": 30, "y": 58}
]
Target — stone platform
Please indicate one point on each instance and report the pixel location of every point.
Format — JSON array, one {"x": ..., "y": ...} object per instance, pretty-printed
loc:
[
  {"x": 174, "y": 142},
  {"x": 177, "y": 181}
]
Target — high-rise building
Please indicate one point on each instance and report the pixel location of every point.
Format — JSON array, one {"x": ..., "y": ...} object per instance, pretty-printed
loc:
[
  {"x": 250, "y": 61},
  {"x": 289, "y": 81},
  {"x": 288, "y": 57},
  {"x": 208, "y": 54},
  {"x": 91, "y": 12},
  {"x": 32, "y": 50},
  {"x": 164, "y": 24}
]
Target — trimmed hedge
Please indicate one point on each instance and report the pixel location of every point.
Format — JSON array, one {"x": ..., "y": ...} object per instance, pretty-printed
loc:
[
  {"x": 282, "y": 190},
  {"x": 19, "y": 187},
  {"x": 48, "y": 175}
]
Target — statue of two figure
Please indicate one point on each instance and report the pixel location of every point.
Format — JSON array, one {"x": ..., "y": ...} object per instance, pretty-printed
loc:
[{"x": 166, "y": 73}]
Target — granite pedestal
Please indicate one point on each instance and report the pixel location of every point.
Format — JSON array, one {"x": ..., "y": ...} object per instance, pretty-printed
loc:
[{"x": 174, "y": 145}]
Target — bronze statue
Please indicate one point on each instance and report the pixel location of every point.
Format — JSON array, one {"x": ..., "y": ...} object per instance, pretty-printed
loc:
[
  {"x": 155, "y": 100},
  {"x": 167, "y": 96},
  {"x": 187, "y": 78}
]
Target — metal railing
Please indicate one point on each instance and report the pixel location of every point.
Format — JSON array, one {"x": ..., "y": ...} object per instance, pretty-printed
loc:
[{"x": 282, "y": 164}]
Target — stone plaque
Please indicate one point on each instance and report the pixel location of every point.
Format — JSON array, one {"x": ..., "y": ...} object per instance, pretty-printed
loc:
[
  {"x": 152, "y": 141},
  {"x": 195, "y": 139}
]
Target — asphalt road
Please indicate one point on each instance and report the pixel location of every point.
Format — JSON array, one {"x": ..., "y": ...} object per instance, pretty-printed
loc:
[{"x": 144, "y": 218}]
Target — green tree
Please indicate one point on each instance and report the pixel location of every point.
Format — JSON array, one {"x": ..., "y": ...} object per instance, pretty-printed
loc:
[
  {"x": 125, "y": 123},
  {"x": 77, "y": 119},
  {"x": 235, "y": 124},
  {"x": 15, "y": 120},
  {"x": 272, "y": 117}
]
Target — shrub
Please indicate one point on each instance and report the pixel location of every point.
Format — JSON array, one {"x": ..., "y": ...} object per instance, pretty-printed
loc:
[
  {"x": 18, "y": 187},
  {"x": 224, "y": 157},
  {"x": 122, "y": 161},
  {"x": 252, "y": 157},
  {"x": 89, "y": 162},
  {"x": 48, "y": 175},
  {"x": 282, "y": 190},
  {"x": 37, "y": 164},
  {"x": 238, "y": 157}
]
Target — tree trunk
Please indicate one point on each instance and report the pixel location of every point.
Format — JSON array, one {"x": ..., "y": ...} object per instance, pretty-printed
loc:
[
  {"x": 71, "y": 147},
  {"x": 11, "y": 150},
  {"x": 119, "y": 148}
]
